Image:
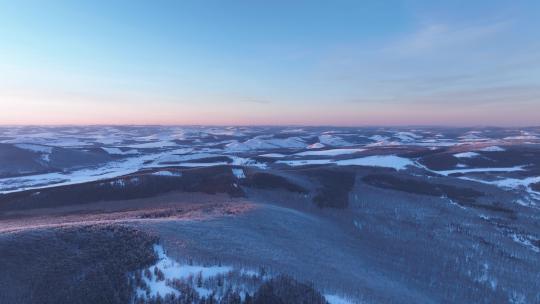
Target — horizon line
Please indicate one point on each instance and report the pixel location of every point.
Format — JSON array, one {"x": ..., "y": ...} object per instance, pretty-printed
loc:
[{"x": 272, "y": 125}]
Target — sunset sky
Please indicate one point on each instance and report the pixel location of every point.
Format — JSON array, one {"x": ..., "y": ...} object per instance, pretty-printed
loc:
[{"x": 270, "y": 62}]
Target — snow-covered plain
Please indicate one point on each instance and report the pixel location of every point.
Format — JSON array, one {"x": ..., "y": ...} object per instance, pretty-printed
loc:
[
  {"x": 506, "y": 163},
  {"x": 136, "y": 148},
  {"x": 388, "y": 161}
]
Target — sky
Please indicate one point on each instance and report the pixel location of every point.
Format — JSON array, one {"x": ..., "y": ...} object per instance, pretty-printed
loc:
[{"x": 350, "y": 63}]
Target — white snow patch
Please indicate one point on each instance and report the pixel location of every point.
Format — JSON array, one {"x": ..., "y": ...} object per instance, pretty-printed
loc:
[
  {"x": 173, "y": 270},
  {"x": 316, "y": 146},
  {"x": 486, "y": 278},
  {"x": 261, "y": 143},
  {"x": 155, "y": 144},
  {"x": 331, "y": 140},
  {"x": 249, "y": 272},
  {"x": 466, "y": 155},
  {"x": 167, "y": 173},
  {"x": 514, "y": 184},
  {"x": 170, "y": 157},
  {"x": 35, "y": 148},
  {"x": 520, "y": 239},
  {"x": 239, "y": 173},
  {"x": 521, "y": 137},
  {"x": 388, "y": 161},
  {"x": 118, "y": 151},
  {"x": 471, "y": 136},
  {"x": 241, "y": 161},
  {"x": 334, "y": 299},
  {"x": 305, "y": 162},
  {"x": 506, "y": 169},
  {"x": 331, "y": 152},
  {"x": 492, "y": 149},
  {"x": 407, "y": 136},
  {"x": 191, "y": 165},
  {"x": 109, "y": 170},
  {"x": 378, "y": 138},
  {"x": 273, "y": 155}
]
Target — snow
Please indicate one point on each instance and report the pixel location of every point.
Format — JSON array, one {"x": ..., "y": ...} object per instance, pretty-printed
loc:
[
  {"x": 332, "y": 140},
  {"x": 167, "y": 173},
  {"x": 334, "y": 299},
  {"x": 229, "y": 131},
  {"x": 521, "y": 137},
  {"x": 407, "y": 136},
  {"x": 157, "y": 287},
  {"x": 388, "y": 161},
  {"x": 118, "y": 151},
  {"x": 112, "y": 140},
  {"x": 35, "y": 148},
  {"x": 174, "y": 270},
  {"x": 492, "y": 149},
  {"x": 471, "y": 136},
  {"x": 155, "y": 144},
  {"x": 114, "y": 169},
  {"x": 378, "y": 138},
  {"x": 305, "y": 162},
  {"x": 384, "y": 143},
  {"x": 109, "y": 170},
  {"x": 169, "y": 157},
  {"x": 241, "y": 161},
  {"x": 506, "y": 183},
  {"x": 525, "y": 241},
  {"x": 155, "y": 147},
  {"x": 261, "y": 143},
  {"x": 273, "y": 155},
  {"x": 471, "y": 170},
  {"x": 249, "y": 272},
  {"x": 192, "y": 165},
  {"x": 238, "y": 172},
  {"x": 331, "y": 152},
  {"x": 466, "y": 155},
  {"x": 123, "y": 182},
  {"x": 316, "y": 146},
  {"x": 515, "y": 183}
]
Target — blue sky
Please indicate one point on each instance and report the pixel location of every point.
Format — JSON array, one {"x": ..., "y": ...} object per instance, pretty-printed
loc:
[{"x": 270, "y": 62}]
